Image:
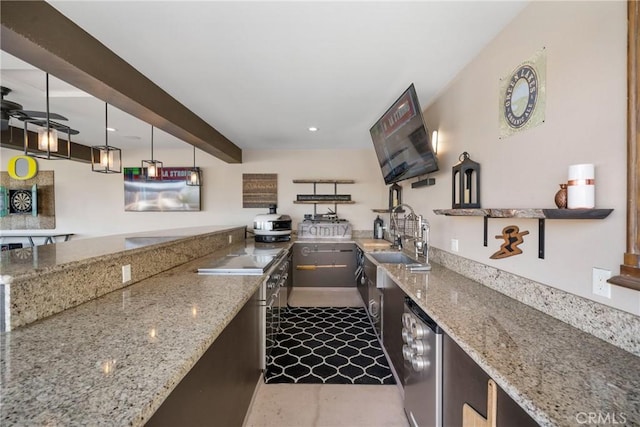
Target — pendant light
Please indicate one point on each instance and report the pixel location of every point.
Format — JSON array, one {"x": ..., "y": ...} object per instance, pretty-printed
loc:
[
  {"x": 194, "y": 177},
  {"x": 47, "y": 133},
  {"x": 106, "y": 158},
  {"x": 152, "y": 169}
]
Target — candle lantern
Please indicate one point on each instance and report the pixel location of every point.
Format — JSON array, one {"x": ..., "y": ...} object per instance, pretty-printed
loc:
[
  {"x": 466, "y": 183},
  {"x": 395, "y": 196}
]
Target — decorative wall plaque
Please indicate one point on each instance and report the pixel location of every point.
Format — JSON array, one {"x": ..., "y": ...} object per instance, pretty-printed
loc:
[
  {"x": 523, "y": 95},
  {"x": 259, "y": 190},
  {"x": 512, "y": 237}
]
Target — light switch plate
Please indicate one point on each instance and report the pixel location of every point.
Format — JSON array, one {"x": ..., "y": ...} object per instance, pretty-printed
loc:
[{"x": 454, "y": 245}]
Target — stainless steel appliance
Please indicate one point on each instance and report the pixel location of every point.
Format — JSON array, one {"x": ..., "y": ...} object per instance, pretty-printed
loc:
[
  {"x": 259, "y": 259},
  {"x": 273, "y": 298},
  {"x": 422, "y": 353},
  {"x": 250, "y": 260},
  {"x": 272, "y": 227},
  {"x": 361, "y": 280},
  {"x": 374, "y": 295}
]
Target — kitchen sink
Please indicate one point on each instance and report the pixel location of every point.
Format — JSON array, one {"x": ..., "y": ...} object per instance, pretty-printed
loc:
[{"x": 393, "y": 257}]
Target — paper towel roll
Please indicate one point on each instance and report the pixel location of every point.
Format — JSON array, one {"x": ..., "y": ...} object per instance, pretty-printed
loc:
[{"x": 581, "y": 187}]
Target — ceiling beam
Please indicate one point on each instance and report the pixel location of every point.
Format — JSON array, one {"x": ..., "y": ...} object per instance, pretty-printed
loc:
[{"x": 37, "y": 33}]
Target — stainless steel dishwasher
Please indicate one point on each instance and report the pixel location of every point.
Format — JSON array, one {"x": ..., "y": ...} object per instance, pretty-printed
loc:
[{"x": 422, "y": 353}]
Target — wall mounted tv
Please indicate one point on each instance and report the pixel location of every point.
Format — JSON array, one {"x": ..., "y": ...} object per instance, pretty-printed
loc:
[{"x": 402, "y": 141}]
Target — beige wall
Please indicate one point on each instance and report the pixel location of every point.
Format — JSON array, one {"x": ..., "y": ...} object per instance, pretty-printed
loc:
[
  {"x": 585, "y": 123},
  {"x": 91, "y": 204}
]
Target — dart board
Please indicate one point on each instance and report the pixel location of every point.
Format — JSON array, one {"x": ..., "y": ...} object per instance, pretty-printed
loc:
[{"x": 20, "y": 201}]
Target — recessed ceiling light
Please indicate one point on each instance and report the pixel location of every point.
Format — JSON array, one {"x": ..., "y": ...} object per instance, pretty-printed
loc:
[
  {"x": 313, "y": 129},
  {"x": 112, "y": 129}
]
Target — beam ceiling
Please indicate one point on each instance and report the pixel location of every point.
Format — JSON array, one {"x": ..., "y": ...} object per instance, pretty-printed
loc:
[{"x": 37, "y": 33}]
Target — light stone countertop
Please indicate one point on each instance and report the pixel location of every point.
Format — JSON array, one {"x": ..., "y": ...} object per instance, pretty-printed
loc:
[
  {"x": 558, "y": 373},
  {"x": 75, "y": 251},
  {"x": 113, "y": 360}
]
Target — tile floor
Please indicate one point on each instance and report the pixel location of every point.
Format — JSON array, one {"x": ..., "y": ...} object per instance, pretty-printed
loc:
[{"x": 326, "y": 405}]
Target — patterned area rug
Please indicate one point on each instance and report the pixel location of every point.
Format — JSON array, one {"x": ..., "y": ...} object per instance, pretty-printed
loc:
[{"x": 327, "y": 345}]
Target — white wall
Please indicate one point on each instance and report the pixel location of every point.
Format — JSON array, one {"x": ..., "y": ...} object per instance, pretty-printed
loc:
[
  {"x": 585, "y": 123},
  {"x": 92, "y": 204}
]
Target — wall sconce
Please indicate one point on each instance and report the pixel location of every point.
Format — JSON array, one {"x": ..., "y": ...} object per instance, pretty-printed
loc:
[
  {"x": 105, "y": 158},
  {"x": 434, "y": 141},
  {"x": 466, "y": 183},
  {"x": 193, "y": 179},
  {"x": 152, "y": 168}
]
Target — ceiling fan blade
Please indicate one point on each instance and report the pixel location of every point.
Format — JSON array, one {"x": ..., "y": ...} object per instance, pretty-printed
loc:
[
  {"x": 42, "y": 115},
  {"x": 57, "y": 126},
  {"x": 9, "y": 105}
]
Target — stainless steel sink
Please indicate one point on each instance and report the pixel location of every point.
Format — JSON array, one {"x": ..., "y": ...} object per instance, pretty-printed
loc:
[{"x": 393, "y": 257}]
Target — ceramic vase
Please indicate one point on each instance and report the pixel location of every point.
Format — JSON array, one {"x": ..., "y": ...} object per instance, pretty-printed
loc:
[{"x": 561, "y": 197}]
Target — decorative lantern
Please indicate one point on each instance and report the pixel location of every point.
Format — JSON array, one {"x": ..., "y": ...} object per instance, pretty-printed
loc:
[
  {"x": 466, "y": 183},
  {"x": 395, "y": 196}
]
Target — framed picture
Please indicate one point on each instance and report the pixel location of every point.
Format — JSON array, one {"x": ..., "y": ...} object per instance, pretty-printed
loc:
[{"x": 169, "y": 194}]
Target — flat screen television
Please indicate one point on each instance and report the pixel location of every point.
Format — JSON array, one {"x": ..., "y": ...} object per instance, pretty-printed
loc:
[{"x": 402, "y": 141}]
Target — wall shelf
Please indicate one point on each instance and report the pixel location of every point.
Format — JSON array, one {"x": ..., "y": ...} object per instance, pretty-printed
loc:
[
  {"x": 532, "y": 213},
  {"x": 325, "y": 198}
]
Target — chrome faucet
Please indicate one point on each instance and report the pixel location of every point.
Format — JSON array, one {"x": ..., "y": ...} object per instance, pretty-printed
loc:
[{"x": 420, "y": 231}]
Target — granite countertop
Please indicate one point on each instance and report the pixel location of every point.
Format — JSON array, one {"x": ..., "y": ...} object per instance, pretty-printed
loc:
[
  {"x": 61, "y": 254},
  {"x": 553, "y": 370},
  {"x": 113, "y": 360}
]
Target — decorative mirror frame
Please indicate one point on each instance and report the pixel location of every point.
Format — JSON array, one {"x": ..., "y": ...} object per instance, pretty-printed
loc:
[{"x": 630, "y": 269}]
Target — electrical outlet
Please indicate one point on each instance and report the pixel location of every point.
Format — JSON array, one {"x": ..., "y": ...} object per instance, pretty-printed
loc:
[
  {"x": 126, "y": 273},
  {"x": 454, "y": 245},
  {"x": 230, "y": 239},
  {"x": 600, "y": 285}
]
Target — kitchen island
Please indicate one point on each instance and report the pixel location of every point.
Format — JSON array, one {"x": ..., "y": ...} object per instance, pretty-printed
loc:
[{"x": 114, "y": 360}]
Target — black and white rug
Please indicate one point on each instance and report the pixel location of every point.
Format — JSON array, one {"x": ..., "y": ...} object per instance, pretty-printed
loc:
[{"x": 327, "y": 345}]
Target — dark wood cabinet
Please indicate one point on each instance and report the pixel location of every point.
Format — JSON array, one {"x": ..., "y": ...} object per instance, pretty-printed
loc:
[
  {"x": 392, "y": 309},
  {"x": 324, "y": 264},
  {"x": 217, "y": 391},
  {"x": 464, "y": 382}
]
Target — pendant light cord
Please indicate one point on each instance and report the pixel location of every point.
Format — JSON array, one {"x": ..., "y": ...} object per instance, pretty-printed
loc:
[
  {"x": 48, "y": 122},
  {"x": 106, "y": 125},
  {"x": 152, "y": 159}
]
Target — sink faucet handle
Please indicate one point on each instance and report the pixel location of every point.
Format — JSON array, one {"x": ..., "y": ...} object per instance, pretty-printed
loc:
[{"x": 399, "y": 242}]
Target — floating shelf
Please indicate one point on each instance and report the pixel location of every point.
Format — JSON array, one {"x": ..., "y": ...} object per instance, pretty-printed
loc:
[
  {"x": 387, "y": 210},
  {"x": 532, "y": 213},
  {"x": 323, "y": 181},
  {"x": 324, "y": 201}
]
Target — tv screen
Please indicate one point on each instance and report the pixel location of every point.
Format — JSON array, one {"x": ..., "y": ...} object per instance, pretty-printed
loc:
[{"x": 402, "y": 141}]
